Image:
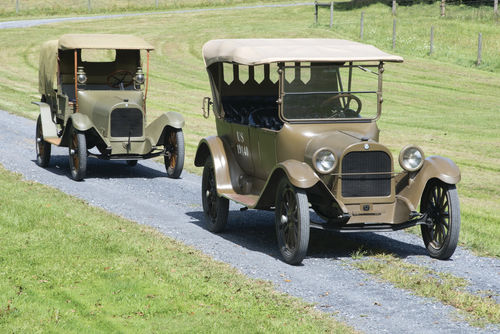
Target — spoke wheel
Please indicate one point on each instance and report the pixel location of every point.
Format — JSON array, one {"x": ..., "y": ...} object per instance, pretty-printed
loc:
[
  {"x": 292, "y": 222},
  {"x": 78, "y": 155},
  {"x": 42, "y": 147},
  {"x": 174, "y": 153},
  {"x": 215, "y": 208},
  {"x": 441, "y": 204}
]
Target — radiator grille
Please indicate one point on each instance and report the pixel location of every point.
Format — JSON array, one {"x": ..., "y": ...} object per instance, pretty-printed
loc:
[
  {"x": 366, "y": 185},
  {"x": 126, "y": 122}
]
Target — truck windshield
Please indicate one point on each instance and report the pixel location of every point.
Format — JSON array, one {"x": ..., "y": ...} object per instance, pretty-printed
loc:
[{"x": 329, "y": 92}]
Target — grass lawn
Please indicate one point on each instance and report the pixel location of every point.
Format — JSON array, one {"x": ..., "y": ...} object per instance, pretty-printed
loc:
[{"x": 70, "y": 268}]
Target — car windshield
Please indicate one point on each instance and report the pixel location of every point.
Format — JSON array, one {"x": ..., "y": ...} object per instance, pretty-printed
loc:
[{"x": 329, "y": 91}]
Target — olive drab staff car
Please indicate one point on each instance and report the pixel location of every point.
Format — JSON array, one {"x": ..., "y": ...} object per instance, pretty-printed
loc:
[
  {"x": 297, "y": 131},
  {"x": 93, "y": 95}
]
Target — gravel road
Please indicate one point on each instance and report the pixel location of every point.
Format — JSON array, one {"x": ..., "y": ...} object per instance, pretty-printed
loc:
[{"x": 143, "y": 194}]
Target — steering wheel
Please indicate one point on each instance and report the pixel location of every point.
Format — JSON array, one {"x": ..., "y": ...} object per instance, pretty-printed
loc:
[
  {"x": 120, "y": 78},
  {"x": 343, "y": 112}
]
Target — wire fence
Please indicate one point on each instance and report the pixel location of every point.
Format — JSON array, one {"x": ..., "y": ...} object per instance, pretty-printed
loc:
[{"x": 467, "y": 35}]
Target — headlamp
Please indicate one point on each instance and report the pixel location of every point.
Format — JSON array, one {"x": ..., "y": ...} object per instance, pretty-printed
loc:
[
  {"x": 411, "y": 158},
  {"x": 324, "y": 161}
]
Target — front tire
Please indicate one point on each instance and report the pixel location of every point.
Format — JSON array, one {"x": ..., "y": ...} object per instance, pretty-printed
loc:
[
  {"x": 42, "y": 147},
  {"x": 292, "y": 222},
  {"x": 78, "y": 155},
  {"x": 174, "y": 153},
  {"x": 440, "y": 202},
  {"x": 215, "y": 207}
]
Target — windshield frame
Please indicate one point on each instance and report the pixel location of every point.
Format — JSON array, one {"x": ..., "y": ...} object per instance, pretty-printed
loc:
[{"x": 361, "y": 65}]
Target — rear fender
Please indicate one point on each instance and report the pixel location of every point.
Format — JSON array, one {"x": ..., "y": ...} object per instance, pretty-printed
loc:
[
  {"x": 434, "y": 167},
  {"x": 213, "y": 148},
  {"x": 49, "y": 129},
  {"x": 156, "y": 130}
]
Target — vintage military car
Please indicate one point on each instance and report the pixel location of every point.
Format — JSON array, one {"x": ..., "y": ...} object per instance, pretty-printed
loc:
[
  {"x": 297, "y": 130},
  {"x": 93, "y": 96}
]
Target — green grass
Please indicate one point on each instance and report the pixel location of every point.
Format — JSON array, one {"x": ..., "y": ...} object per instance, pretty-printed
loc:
[
  {"x": 68, "y": 267},
  {"x": 29, "y": 8},
  {"x": 425, "y": 282},
  {"x": 444, "y": 106}
]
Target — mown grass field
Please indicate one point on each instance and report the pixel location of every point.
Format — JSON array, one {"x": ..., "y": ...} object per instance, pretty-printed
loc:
[
  {"x": 66, "y": 267},
  {"x": 445, "y": 105},
  {"x": 81, "y": 7}
]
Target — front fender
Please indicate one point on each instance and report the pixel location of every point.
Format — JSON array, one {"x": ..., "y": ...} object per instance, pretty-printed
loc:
[
  {"x": 81, "y": 122},
  {"x": 434, "y": 167},
  {"x": 301, "y": 175},
  {"x": 155, "y": 130}
]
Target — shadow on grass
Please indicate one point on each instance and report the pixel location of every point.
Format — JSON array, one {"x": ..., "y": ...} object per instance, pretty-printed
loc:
[
  {"x": 254, "y": 230},
  {"x": 103, "y": 169}
]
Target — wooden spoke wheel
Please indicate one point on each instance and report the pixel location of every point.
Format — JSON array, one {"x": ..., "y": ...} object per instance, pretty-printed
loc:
[
  {"x": 42, "y": 147},
  {"x": 215, "y": 208},
  {"x": 441, "y": 204},
  {"x": 292, "y": 222},
  {"x": 78, "y": 155},
  {"x": 174, "y": 153}
]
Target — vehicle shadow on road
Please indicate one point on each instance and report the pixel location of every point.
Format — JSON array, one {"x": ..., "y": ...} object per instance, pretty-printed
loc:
[
  {"x": 254, "y": 230},
  {"x": 103, "y": 169}
]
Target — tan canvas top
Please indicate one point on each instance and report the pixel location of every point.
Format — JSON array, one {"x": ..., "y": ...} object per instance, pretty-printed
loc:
[
  {"x": 103, "y": 41},
  {"x": 264, "y": 51}
]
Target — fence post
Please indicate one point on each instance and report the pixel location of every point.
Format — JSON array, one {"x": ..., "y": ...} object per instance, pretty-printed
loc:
[
  {"x": 393, "y": 7},
  {"x": 479, "y": 48},
  {"x": 331, "y": 14},
  {"x": 361, "y": 26},
  {"x": 89, "y": 6},
  {"x": 156, "y": 3},
  {"x": 316, "y": 12},
  {"x": 431, "y": 49},
  {"x": 443, "y": 5},
  {"x": 394, "y": 34},
  {"x": 17, "y": 6},
  {"x": 495, "y": 8}
]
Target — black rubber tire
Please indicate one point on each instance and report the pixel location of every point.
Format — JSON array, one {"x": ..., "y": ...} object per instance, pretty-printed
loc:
[
  {"x": 131, "y": 163},
  {"x": 440, "y": 201},
  {"x": 215, "y": 207},
  {"x": 42, "y": 147},
  {"x": 292, "y": 222},
  {"x": 174, "y": 153},
  {"x": 78, "y": 155}
]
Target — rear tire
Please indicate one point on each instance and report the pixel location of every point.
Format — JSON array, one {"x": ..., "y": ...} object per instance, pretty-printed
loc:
[
  {"x": 78, "y": 155},
  {"x": 440, "y": 202},
  {"x": 42, "y": 147},
  {"x": 174, "y": 153},
  {"x": 215, "y": 207},
  {"x": 292, "y": 222}
]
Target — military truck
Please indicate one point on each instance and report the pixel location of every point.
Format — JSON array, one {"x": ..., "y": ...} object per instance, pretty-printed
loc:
[{"x": 93, "y": 100}]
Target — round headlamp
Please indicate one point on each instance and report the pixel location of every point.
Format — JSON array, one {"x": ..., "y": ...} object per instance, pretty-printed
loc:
[
  {"x": 411, "y": 158},
  {"x": 81, "y": 77},
  {"x": 139, "y": 76},
  {"x": 324, "y": 161}
]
